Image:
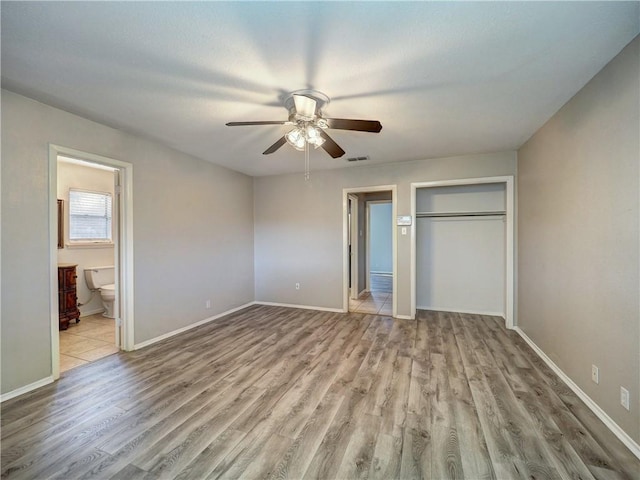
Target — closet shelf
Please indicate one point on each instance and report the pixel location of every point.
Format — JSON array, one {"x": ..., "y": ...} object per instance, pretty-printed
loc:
[{"x": 459, "y": 214}]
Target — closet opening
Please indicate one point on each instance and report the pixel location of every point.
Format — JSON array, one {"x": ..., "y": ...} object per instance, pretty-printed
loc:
[{"x": 462, "y": 247}]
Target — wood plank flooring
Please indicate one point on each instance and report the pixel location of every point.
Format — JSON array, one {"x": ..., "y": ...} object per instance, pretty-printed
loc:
[{"x": 275, "y": 393}]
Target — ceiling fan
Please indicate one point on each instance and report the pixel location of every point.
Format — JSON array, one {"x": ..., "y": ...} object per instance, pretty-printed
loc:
[{"x": 305, "y": 115}]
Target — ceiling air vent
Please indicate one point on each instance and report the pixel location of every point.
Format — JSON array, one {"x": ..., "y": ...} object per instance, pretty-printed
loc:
[{"x": 357, "y": 159}]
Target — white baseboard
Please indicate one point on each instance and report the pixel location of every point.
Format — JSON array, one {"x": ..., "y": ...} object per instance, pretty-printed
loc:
[
  {"x": 27, "y": 388},
  {"x": 91, "y": 312},
  {"x": 405, "y": 317},
  {"x": 457, "y": 310},
  {"x": 363, "y": 292},
  {"x": 304, "y": 307},
  {"x": 151, "y": 341},
  {"x": 624, "y": 437}
]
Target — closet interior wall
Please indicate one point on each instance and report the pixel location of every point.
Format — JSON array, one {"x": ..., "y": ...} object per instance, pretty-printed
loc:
[{"x": 460, "y": 248}]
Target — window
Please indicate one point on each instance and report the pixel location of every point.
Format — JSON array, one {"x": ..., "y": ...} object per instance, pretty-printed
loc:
[{"x": 89, "y": 216}]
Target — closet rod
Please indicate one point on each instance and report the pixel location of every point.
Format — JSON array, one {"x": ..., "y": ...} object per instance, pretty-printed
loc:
[{"x": 459, "y": 214}]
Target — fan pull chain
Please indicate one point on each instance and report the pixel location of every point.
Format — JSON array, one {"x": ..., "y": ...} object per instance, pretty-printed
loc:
[{"x": 306, "y": 161}]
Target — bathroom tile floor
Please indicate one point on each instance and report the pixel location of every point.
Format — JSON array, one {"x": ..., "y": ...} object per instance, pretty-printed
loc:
[
  {"x": 84, "y": 342},
  {"x": 378, "y": 300}
]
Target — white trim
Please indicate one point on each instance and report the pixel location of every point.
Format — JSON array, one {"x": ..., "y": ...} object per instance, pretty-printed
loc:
[
  {"x": 367, "y": 247},
  {"x": 508, "y": 180},
  {"x": 404, "y": 317},
  {"x": 26, "y": 389},
  {"x": 593, "y": 406},
  {"x": 345, "y": 241},
  {"x": 304, "y": 307},
  {"x": 164, "y": 336},
  {"x": 126, "y": 257},
  {"x": 124, "y": 275},
  {"x": 457, "y": 310},
  {"x": 510, "y": 277},
  {"x": 54, "y": 318}
]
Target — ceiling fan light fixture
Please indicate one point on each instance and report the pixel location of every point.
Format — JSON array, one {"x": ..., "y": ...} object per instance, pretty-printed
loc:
[
  {"x": 312, "y": 135},
  {"x": 296, "y": 138},
  {"x": 306, "y": 109}
]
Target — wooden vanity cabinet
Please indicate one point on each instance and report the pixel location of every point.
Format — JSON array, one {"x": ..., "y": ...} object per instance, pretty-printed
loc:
[{"x": 67, "y": 295}]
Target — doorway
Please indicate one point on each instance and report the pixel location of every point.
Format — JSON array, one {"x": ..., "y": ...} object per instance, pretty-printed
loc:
[
  {"x": 91, "y": 238},
  {"x": 370, "y": 250}
]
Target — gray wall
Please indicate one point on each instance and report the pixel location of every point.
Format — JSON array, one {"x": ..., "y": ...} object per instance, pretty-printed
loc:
[
  {"x": 193, "y": 233},
  {"x": 298, "y": 225},
  {"x": 578, "y": 260}
]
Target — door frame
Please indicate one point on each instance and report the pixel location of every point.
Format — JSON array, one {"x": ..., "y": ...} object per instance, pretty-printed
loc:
[
  {"x": 368, "y": 239},
  {"x": 508, "y": 180},
  {"x": 345, "y": 240},
  {"x": 123, "y": 247}
]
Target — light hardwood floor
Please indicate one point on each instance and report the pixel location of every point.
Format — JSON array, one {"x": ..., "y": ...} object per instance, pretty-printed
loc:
[{"x": 273, "y": 392}]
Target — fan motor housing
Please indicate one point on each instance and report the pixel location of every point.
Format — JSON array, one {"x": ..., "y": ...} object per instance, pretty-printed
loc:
[{"x": 321, "y": 99}]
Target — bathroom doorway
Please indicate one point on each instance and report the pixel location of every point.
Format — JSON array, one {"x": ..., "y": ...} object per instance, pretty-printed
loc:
[{"x": 90, "y": 267}]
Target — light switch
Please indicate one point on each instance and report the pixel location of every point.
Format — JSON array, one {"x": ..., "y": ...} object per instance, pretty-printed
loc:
[{"x": 404, "y": 230}]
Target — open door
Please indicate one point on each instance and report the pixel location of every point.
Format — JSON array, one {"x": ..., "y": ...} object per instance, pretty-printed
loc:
[
  {"x": 117, "y": 257},
  {"x": 353, "y": 247}
]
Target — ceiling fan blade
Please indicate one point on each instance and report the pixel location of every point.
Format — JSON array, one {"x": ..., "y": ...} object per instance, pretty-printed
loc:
[
  {"x": 331, "y": 147},
  {"x": 305, "y": 106},
  {"x": 275, "y": 146},
  {"x": 373, "y": 126},
  {"x": 268, "y": 122}
]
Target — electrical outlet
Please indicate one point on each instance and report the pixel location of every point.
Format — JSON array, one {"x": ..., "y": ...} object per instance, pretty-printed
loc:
[
  {"x": 297, "y": 286},
  {"x": 595, "y": 374},
  {"x": 207, "y": 304},
  {"x": 624, "y": 397}
]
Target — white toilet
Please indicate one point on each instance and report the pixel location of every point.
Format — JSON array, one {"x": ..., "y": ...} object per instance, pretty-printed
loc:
[{"x": 102, "y": 279}]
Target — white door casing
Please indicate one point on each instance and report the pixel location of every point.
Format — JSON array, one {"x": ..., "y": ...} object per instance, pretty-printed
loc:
[{"x": 123, "y": 248}]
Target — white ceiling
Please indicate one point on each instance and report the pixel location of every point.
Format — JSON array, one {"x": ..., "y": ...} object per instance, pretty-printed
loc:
[{"x": 444, "y": 78}]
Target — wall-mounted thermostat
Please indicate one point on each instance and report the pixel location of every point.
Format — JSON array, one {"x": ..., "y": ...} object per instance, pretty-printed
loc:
[{"x": 404, "y": 220}]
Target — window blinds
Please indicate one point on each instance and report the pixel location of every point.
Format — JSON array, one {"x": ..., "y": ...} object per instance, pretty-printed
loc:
[{"x": 89, "y": 216}]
